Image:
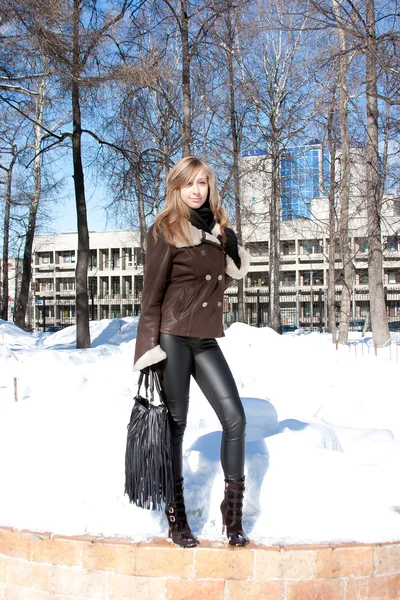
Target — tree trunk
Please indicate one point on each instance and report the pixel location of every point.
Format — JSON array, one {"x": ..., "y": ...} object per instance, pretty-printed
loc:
[
  {"x": 348, "y": 267},
  {"x": 82, "y": 300},
  {"x": 235, "y": 150},
  {"x": 140, "y": 201},
  {"x": 21, "y": 304},
  {"x": 331, "y": 295},
  {"x": 6, "y": 236},
  {"x": 6, "y": 239},
  {"x": 274, "y": 235},
  {"x": 187, "y": 120},
  {"x": 380, "y": 329}
]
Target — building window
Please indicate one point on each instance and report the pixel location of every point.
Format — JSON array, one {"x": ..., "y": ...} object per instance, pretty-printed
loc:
[
  {"x": 138, "y": 287},
  {"x": 311, "y": 247},
  {"x": 126, "y": 286},
  {"x": 258, "y": 279},
  {"x": 363, "y": 277},
  {"x": 128, "y": 256},
  {"x": 318, "y": 278},
  {"x": 92, "y": 286},
  {"x": 67, "y": 285},
  {"x": 115, "y": 286},
  {"x": 362, "y": 245},
  {"x": 46, "y": 285},
  {"x": 312, "y": 277},
  {"x": 394, "y": 277},
  {"x": 393, "y": 243},
  {"x": 67, "y": 312},
  {"x": 104, "y": 286},
  {"x": 138, "y": 256},
  {"x": 258, "y": 248},
  {"x": 115, "y": 259},
  {"x": 68, "y": 256},
  {"x": 287, "y": 279},
  {"x": 45, "y": 258},
  {"x": 93, "y": 259},
  {"x": 288, "y": 247}
]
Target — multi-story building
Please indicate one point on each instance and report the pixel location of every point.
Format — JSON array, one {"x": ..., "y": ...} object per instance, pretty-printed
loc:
[
  {"x": 115, "y": 278},
  {"x": 304, "y": 238},
  {"x": 116, "y": 267}
]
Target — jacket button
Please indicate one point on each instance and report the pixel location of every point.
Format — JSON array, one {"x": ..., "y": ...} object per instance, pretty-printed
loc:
[
  {"x": 219, "y": 304},
  {"x": 208, "y": 277},
  {"x": 203, "y": 252},
  {"x": 219, "y": 277},
  {"x": 204, "y": 304}
]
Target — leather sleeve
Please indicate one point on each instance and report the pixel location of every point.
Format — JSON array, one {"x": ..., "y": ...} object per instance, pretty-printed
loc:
[{"x": 157, "y": 275}]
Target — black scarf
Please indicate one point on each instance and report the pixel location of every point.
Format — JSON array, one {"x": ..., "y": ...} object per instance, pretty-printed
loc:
[{"x": 203, "y": 218}]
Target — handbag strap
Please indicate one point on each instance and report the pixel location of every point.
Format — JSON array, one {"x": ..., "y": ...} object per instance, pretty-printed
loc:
[{"x": 151, "y": 380}]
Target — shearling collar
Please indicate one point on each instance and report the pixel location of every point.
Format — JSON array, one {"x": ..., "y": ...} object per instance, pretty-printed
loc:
[{"x": 197, "y": 236}]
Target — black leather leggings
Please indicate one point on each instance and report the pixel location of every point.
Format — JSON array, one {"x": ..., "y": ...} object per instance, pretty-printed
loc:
[{"x": 203, "y": 359}]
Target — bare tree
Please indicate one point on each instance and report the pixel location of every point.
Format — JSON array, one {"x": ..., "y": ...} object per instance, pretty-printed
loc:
[
  {"x": 193, "y": 22},
  {"x": 9, "y": 150},
  {"x": 231, "y": 109},
  {"x": 22, "y": 301},
  {"x": 144, "y": 136},
  {"x": 333, "y": 237},
  {"x": 77, "y": 54},
  {"x": 348, "y": 267},
  {"x": 279, "y": 95},
  {"x": 380, "y": 327}
]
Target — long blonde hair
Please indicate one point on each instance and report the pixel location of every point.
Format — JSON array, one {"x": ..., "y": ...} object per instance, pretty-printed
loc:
[{"x": 171, "y": 222}]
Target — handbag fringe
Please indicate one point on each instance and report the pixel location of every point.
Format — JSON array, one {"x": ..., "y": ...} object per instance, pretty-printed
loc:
[{"x": 149, "y": 480}]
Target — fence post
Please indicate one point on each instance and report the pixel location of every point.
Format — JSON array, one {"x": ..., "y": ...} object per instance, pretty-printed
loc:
[{"x": 15, "y": 390}]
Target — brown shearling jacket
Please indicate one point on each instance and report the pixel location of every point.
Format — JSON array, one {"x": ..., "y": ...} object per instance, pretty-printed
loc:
[{"x": 183, "y": 291}]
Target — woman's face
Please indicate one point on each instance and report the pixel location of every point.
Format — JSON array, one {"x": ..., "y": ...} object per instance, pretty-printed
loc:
[{"x": 194, "y": 192}]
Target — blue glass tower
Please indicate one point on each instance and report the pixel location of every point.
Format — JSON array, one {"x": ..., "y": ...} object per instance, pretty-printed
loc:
[{"x": 303, "y": 175}]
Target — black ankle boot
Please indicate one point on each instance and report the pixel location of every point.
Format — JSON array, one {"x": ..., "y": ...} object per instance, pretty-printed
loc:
[
  {"x": 179, "y": 528},
  {"x": 231, "y": 508}
]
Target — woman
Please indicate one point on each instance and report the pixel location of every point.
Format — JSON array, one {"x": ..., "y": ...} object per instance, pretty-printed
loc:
[{"x": 191, "y": 258}]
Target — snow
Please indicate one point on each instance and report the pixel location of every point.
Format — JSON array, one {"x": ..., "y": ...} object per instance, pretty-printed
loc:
[{"x": 322, "y": 446}]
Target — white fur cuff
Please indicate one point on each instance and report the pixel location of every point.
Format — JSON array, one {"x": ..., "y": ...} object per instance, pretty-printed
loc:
[
  {"x": 231, "y": 269},
  {"x": 151, "y": 357}
]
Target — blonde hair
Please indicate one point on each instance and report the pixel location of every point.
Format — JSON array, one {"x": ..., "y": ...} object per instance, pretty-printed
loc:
[{"x": 171, "y": 222}]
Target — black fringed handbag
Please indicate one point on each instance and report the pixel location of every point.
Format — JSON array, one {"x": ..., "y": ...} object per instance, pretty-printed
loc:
[{"x": 148, "y": 457}]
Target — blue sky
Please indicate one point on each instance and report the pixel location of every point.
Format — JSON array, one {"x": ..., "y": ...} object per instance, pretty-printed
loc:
[
  {"x": 63, "y": 213},
  {"x": 64, "y": 220}
]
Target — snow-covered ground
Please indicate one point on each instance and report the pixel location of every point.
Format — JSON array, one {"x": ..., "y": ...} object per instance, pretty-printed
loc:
[{"x": 323, "y": 437}]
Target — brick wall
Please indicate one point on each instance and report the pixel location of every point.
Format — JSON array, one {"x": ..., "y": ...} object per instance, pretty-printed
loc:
[{"x": 40, "y": 567}]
